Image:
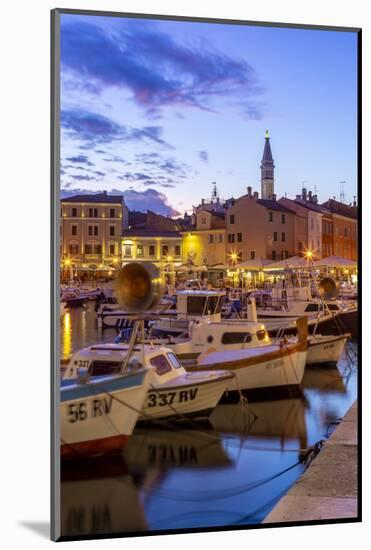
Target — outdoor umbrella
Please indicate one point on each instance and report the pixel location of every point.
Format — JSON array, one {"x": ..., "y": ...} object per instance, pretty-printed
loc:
[
  {"x": 295, "y": 262},
  {"x": 335, "y": 261},
  {"x": 257, "y": 263},
  {"x": 184, "y": 268}
]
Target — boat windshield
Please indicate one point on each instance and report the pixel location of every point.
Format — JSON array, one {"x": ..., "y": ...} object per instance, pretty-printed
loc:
[
  {"x": 161, "y": 364},
  {"x": 174, "y": 361},
  {"x": 236, "y": 338},
  {"x": 202, "y": 305}
]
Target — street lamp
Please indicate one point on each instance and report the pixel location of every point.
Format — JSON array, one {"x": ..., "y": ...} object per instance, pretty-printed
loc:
[
  {"x": 234, "y": 257},
  {"x": 68, "y": 264}
]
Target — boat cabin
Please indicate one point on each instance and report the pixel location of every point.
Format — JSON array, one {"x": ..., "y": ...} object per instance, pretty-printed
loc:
[
  {"x": 109, "y": 359},
  {"x": 206, "y": 335},
  {"x": 192, "y": 304}
]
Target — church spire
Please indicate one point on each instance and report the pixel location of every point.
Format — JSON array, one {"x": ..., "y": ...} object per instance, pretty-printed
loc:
[{"x": 267, "y": 170}]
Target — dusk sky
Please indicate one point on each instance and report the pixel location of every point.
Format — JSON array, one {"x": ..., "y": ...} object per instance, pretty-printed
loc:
[{"x": 161, "y": 109}]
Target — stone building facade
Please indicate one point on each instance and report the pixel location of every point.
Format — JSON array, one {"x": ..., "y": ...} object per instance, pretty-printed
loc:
[{"x": 90, "y": 230}]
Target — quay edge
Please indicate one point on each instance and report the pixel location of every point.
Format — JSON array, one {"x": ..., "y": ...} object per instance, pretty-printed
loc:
[{"x": 328, "y": 489}]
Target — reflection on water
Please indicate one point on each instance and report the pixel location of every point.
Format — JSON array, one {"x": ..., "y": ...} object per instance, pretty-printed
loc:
[
  {"x": 67, "y": 335},
  {"x": 100, "y": 497},
  {"x": 230, "y": 471}
]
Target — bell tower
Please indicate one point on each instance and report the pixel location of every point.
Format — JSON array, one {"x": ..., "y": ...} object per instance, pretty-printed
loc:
[{"x": 267, "y": 170}]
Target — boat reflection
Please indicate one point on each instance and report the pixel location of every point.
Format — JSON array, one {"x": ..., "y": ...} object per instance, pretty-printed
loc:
[
  {"x": 324, "y": 380},
  {"x": 98, "y": 497},
  {"x": 164, "y": 448},
  {"x": 281, "y": 419}
]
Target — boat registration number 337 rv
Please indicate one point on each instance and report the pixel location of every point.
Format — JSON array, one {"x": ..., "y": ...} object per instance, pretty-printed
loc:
[
  {"x": 81, "y": 411},
  {"x": 163, "y": 399}
]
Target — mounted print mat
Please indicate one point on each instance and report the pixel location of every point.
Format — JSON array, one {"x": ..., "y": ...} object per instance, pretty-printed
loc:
[{"x": 205, "y": 239}]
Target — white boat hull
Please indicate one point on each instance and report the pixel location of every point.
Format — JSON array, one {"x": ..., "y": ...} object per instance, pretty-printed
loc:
[
  {"x": 193, "y": 399},
  {"x": 284, "y": 369},
  {"x": 101, "y": 414},
  {"x": 325, "y": 349}
]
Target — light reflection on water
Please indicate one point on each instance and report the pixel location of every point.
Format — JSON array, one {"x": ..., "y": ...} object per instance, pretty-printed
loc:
[{"x": 230, "y": 471}]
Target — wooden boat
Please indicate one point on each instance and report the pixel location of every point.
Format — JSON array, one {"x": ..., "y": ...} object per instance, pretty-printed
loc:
[
  {"x": 111, "y": 315},
  {"x": 191, "y": 305},
  {"x": 268, "y": 366},
  {"x": 288, "y": 304},
  {"x": 173, "y": 393},
  {"x": 325, "y": 349},
  {"x": 98, "y": 414},
  {"x": 322, "y": 349},
  {"x": 227, "y": 335},
  {"x": 72, "y": 297},
  {"x": 205, "y": 335}
]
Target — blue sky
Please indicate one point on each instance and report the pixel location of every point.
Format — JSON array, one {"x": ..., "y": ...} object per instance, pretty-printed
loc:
[{"x": 159, "y": 110}]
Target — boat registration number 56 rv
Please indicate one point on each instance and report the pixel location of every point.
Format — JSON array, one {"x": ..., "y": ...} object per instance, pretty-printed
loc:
[
  {"x": 163, "y": 399},
  {"x": 81, "y": 411}
]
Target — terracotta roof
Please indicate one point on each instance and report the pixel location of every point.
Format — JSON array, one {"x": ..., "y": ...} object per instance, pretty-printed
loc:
[
  {"x": 273, "y": 205},
  {"x": 98, "y": 198},
  {"x": 312, "y": 206},
  {"x": 342, "y": 209}
]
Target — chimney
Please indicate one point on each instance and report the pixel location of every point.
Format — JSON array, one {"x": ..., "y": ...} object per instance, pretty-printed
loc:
[
  {"x": 298, "y": 197},
  {"x": 105, "y": 193},
  {"x": 256, "y": 195},
  {"x": 274, "y": 197},
  {"x": 315, "y": 199},
  {"x": 202, "y": 201},
  {"x": 354, "y": 201},
  {"x": 217, "y": 200},
  {"x": 310, "y": 196},
  {"x": 249, "y": 191},
  {"x": 304, "y": 194}
]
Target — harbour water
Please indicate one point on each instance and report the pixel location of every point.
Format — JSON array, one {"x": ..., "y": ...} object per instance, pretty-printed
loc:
[{"x": 229, "y": 471}]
